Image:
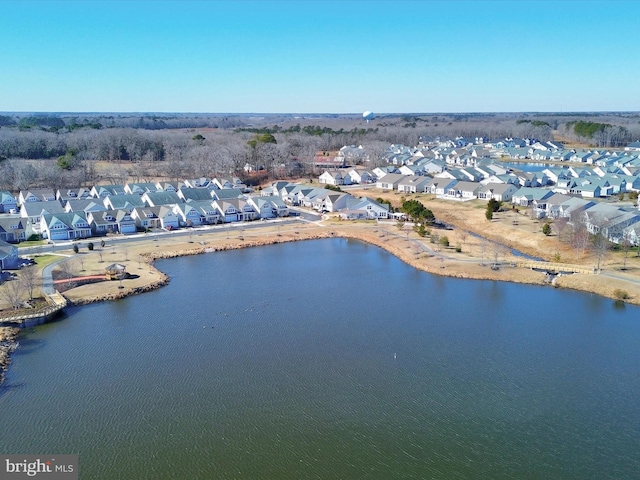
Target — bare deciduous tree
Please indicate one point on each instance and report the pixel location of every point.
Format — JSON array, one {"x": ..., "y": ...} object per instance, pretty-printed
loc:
[
  {"x": 12, "y": 293},
  {"x": 600, "y": 245},
  {"x": 29, "y": 278}
]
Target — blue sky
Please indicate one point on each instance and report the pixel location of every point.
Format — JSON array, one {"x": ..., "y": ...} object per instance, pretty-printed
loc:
[{"x": 319, "y": 56}]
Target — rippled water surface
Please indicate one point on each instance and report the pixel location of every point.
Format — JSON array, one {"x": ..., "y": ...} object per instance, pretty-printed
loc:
[{"x": 331, "y": 359}]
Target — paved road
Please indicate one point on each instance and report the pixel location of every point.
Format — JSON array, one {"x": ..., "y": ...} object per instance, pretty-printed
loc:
[{"x": 158, "y": 234}]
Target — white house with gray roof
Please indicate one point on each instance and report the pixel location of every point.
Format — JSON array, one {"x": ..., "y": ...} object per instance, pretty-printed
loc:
[
  {"x": 502, "y": 192},
  {"x": 413, "y": 184}
]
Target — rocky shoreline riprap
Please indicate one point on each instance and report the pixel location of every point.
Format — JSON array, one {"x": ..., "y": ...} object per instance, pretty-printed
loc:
[{"x": 8, "y": 344}]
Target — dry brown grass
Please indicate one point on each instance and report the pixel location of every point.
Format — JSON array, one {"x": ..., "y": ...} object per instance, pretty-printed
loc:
[{"x": 525, "y": 236}]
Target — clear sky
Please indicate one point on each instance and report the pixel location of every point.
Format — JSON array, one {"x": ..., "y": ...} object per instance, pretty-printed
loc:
[{"x": 319, "y": 56}]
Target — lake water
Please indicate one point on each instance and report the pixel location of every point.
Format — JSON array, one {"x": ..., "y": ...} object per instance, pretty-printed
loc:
[{"x": 331, "y": 359}]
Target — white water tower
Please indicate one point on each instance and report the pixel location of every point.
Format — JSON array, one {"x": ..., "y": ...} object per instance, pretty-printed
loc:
[{"x": 368, "y": 116}]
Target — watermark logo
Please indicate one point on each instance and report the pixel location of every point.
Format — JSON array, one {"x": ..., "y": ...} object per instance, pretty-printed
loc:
[{"x": 49, "y": 467}]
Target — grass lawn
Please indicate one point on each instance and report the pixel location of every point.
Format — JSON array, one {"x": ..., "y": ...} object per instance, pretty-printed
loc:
[
  {"x": 31, "y": 243},
  {"x": 44, "y": 260}
]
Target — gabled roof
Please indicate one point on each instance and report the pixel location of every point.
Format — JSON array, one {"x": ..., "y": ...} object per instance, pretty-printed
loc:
[
  {"x": 391, "y": 178},
  {"x": 195, "y": 194},
  {"x": 6, "y": 222},
  {"x": 84, "y": 205},
  {"x": 533, "y": 193},
  {"x": 143, "y": 187},
  {"x": 130, "y": 200},
  {"x": 226, "y": 193},
  {"x": 499, "y": 188},
  {"x": 70, "y": 219},
  {"x": 204, "y": 206},
  {"x": 36, "y": 208},
  {"x": 7, "y": 197},
  {"x": 102, "y": 218},
  {"x": 109, "y": 190},
  {"x": 40, "y": 193},
  {"x": 6, "y": 249},
  {"x": 162, "y": 198}
]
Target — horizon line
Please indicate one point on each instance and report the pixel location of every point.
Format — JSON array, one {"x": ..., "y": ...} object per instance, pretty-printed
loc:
[{"x": 151, "y": 112}]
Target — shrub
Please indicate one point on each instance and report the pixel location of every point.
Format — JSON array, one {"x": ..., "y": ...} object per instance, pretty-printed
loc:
[
  {"x": 546, "y": 229},
  {"x": 444, "y": 241},
  {"x": 620, "y": 294},
  {"x": 90, "y": 245},
  {"x": 75, "y": 248}
]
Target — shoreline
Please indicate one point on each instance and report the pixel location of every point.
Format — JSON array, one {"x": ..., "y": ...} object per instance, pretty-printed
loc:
[
  {"x": 8, "y": 343},
  {"x": 406, "y": 248},
  {"x": 412, "y": 250}
]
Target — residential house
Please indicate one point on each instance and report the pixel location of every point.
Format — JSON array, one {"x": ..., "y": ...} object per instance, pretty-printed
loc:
[
  {"x": 336, "y": 201},
  {"x": 226, "y": 193},
  {"x": 328, "y": 159},
  {"x": 194, "y": 193},
  {"x": 534, "y": 198},
  {"x": 201, "y": 182},
  {"x": 389, "y": 181},
  {"x": 361, "y": 176},
  {"x": 8, "y": 203},
  {"x": 307, "y": 198},
  {"x": 439, "y": 185},
  {"x": 155, "y": 217},
  {"x": 64, "y": 226},
  {"x": 209, "y": 214},
  {"x": 235, "y": 210},
  {"x": 102, "y": 222},
  {"x": 221, "y": 183},
  {"x": 126, "y": 202},
  {"x": 155, "y": 199},
  {"x": 331, "y": 178},
  {"x": 318, "y": 201},
  {"x": 380, "y": 172},
  {"x": 33, "y": 211},
  {"x": 140, "y": 188},
  {"x": 9, "y": 259},
  {"x": 168, "y": 186},
  {"x": 566, "y": 206},
  {"x": 12, "y": 228},
  {"x": 413, "y": 184},
  {"x": 269, "y": 207},
  {"x": 78, "y": 193},
  {"x": 365, "y": 208},
  {"x": 86, "y": 205},
  {"x": 189, "y": 214},
  {"x": 274, "y": 188},
  {"x": 411, "y": 170},
  {"x": 103, "y": 191},
  {"x": 126, "y": 223},
  {"x": 502, "y": 192},
  {"x": 463, "y": 190},
  {"x": 36, "y": 195},
  {"x": 633, "y": 146}
]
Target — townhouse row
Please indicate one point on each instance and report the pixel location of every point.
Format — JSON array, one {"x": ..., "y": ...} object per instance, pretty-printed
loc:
[{"x": 85, "y": 212}]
